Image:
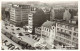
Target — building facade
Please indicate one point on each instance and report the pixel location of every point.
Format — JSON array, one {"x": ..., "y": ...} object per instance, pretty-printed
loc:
[
  {"x": 19, "y": 14},
  {"x": 56, "y": 13},
  {"x": 30, "y": 22},
  {"x": 48, "y": 33},
  {"x": 65, "y": 34},
  {"x": 61, "y": 33}
]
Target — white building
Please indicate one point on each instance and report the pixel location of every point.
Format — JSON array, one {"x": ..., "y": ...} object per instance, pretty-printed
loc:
[
  {"x": 48, "y": 33},
  {"x": 30, "y": 22},
  {"x": 59, "y": 33},
  {"x": 19, "y": 14}
]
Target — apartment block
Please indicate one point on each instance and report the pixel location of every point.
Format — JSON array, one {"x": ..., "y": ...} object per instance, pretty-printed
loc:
[
  {"x": 62, "y": 33},
  {"x": 19, "y": 14}
]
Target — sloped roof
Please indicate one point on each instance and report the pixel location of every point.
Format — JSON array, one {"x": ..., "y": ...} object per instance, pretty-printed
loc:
[{"x": 48, "y": 24}]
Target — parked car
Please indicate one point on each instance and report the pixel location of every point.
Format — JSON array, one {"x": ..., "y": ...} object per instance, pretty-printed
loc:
[{"x": 6, "y": 28}]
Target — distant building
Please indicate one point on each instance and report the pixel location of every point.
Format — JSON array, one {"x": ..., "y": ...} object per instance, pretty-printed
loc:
[
  {"x": 46, "y": 11},
  {"x": 66, "y": 15},
  {"x": 19, "y": 14},
  {"x": 52, "y": 15},
  {"x": 56, "y": 13}
]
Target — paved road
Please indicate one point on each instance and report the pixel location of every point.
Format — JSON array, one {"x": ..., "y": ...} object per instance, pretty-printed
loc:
[
  {"x": 9, "y": 41},
  {"x": 24, "y": 38},
  {"x": 29, "y": 40}
]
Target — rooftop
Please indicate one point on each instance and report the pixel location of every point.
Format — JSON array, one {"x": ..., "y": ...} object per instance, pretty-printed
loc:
[
  {"x": 65, "y": 23},
  {"x": 48, "y": 24},
  {"x": 69, "y": 24}
]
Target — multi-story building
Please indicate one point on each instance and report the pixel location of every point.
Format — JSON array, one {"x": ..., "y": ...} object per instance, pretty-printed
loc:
[
  {"x": 65, "y": 34},
  {"x": 33, "y": 9},
  {"x": 48, "y": 33},
  {"x": 62, "y": 33},
  {"x": 30, "y": 22},
  {"x": 19, "y": 14},
  {"x": 62, "y": 13}
]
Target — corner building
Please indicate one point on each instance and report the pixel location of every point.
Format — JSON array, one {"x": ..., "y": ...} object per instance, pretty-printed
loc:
[{"x": 62, "y": 33}]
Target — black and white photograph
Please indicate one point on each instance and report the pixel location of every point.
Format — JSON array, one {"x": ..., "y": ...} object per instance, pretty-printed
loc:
[{"x": 39, "y": 25}]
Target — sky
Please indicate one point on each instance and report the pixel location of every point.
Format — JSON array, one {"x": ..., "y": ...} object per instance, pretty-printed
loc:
[{"x": 46, "y": 1}]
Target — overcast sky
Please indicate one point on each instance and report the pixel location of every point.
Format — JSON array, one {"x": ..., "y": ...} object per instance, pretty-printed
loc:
[{"x": 46, "y": 1}]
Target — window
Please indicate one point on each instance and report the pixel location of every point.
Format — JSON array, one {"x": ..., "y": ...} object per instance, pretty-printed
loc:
[
  {"x": 61, "y": 30},
  {"x": 76, "y": 29},
  {"x": 70, "y": 28},
  {"x": 75, "y": 34},
  {"x": 74, "y": 44},
  {"x": 58, "y": 29},
  {"x": 63, "y": 26},
  {"x": 53, "y": 27},
  {"x": 59, "y": 25},
  {"x": 69, "y": 32},
  {"x": 66, "y": 26},
  {"x": 68, "y": 42},
  {"x": 75, "y": 39},
  {"x": 47, "y": 29}
]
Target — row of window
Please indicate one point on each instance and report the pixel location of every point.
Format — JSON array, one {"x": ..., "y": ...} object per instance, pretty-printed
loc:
[
  {"x": 47, "y": 29},
  {"x": 63, "y": 35},
  {"x": 68, "y": 32},
  {"x": 63, "y": 26},
  {"x": 63, "y": 40},
  {"x": 68, "y": 27},
  {"x": 65, "y": 31}
]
